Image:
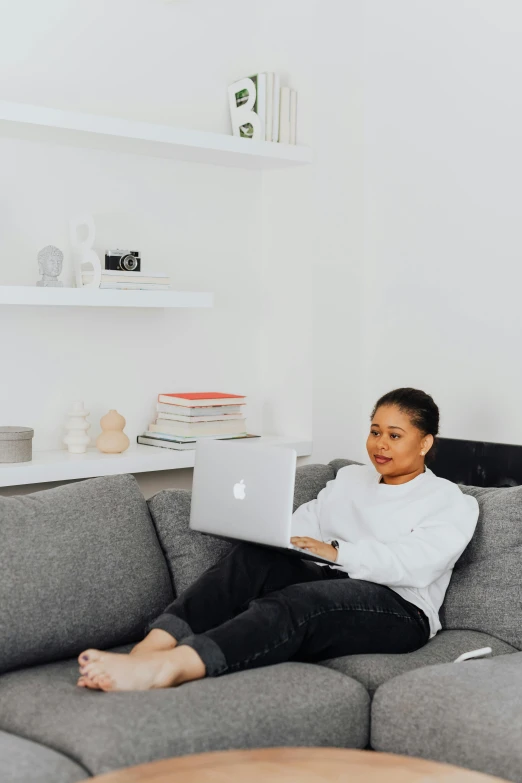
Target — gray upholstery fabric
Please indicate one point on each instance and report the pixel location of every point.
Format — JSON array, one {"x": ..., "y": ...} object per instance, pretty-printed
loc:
[
  {"x": 309, "y": 481},
  {"x": 289, "y": 704},
  {"x": 485, "y": 592},
  {"x": 22, "y": 761},
  {"x": 467, "y": 714},
  {"x": 190, "y": 553},
  {"x": 337, "y": 464},
  {"x": 372, "y": 670},
  {"x": 80, "y": 566}
]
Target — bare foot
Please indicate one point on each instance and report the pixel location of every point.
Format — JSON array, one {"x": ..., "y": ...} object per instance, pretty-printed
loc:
[
  {"x": 155, "y": 641},
  {"x": 147, "y": 671}
]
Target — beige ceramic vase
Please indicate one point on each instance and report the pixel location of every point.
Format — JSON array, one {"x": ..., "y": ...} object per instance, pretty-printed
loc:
[{"x": 112, "y": 439}]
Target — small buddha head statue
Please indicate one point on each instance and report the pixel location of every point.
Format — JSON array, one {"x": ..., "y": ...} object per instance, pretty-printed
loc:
[{"x": 50, "y": 262}]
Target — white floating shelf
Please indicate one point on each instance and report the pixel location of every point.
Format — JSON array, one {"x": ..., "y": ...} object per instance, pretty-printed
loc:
[
  {"x": 41, "y": 123},
  {"x": 101, "y": 297},
  {"x": 59, "y": 465}
]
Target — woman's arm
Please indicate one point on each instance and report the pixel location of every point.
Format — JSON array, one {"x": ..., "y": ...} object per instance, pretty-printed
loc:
[
  {"x": 418, "y": 558},
  {"x": 305, "y": 519},
  {"x": 315, "y": 547}
]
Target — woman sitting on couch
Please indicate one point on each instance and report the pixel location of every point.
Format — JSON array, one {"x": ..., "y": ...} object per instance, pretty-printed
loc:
[{"x": 393, "y": 531}]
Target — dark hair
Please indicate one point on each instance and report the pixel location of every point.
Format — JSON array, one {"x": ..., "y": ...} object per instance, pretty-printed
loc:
[{"x": 420, "y": 407}]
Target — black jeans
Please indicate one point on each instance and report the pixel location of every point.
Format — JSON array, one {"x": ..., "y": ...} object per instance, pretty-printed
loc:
[{"x": 257, "y": 606}]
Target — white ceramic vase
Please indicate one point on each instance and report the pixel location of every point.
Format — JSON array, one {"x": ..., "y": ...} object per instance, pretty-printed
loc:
[
  {"x": 77, "y": 439},
  {"x": 112, "y": 439}
]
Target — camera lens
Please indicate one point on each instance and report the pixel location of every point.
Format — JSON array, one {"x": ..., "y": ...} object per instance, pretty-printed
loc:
[{"x": 129, "y": 263}]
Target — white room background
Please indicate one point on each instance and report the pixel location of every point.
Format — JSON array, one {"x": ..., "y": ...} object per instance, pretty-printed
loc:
[
  {"x": 443, "y": 209},
  {"x": 391, "y": 261}
]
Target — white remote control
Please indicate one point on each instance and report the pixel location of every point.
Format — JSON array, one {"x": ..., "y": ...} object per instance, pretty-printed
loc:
[{"x": 474, "y": 654}]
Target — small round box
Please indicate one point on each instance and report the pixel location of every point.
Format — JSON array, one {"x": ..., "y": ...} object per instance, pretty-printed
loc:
[{"x": 16, "y": 444}]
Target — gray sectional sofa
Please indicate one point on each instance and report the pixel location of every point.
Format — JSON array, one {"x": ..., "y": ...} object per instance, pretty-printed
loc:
[{"x": 91, "y": 563}]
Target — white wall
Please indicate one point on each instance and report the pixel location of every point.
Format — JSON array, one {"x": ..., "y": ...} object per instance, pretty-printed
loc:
[
  {"x": 313, "y": 252},
  {"x": 289, "y": 292},
  {"x": 443, "y": 165},
  {"x": 392, "y": 261},
  {"x": 200, "y": 224}
]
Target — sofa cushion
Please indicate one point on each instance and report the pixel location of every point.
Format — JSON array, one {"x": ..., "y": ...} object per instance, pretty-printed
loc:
[
  {"x": 485, "y": 591},
  {"x": 80, "y": 566},
  {"x": 23, "y": 761},
  {"x": 288, "y": 704},
  {"x": 337, "y": 464},
  {"x": 374, "y": 669},
  {"x": 467, "y": 714},
  {"x": 190, "y": 553}
]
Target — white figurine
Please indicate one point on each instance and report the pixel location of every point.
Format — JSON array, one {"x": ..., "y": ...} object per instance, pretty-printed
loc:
[
  {"x": 77, "y": 439},
  {"x": 50, "y": 262},
  {"x": 83, "y": 252}
]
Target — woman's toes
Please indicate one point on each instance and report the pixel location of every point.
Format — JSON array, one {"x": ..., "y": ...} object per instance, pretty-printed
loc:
[
  {"x": 81, "y": 682},
  {"x": 100, "y": 681},
  {"x": 92, "y": 668},
  {"x": 104, "y": 682},
  {"x": 89, "y": 671},
  {"x": 90, "y": 684},
  {"x": 88, "y": 656}
]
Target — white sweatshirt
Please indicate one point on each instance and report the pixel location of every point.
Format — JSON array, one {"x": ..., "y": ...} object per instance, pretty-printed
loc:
[{"x": 405, "y": 536}]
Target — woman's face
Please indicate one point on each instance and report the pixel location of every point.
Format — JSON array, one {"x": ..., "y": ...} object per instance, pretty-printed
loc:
[{"x": 393, "y": 436}]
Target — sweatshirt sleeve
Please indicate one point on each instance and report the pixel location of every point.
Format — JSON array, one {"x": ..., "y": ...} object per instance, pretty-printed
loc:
[
  {"x": 416, "y": 559},
  {"x": 305, "y": 519}
]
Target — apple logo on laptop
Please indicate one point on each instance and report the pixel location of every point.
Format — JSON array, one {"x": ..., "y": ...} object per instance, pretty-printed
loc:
[{"x": 239, "y": 490}]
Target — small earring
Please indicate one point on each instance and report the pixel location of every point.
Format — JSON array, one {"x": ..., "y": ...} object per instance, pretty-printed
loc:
[{"x": 422, "y": 453}]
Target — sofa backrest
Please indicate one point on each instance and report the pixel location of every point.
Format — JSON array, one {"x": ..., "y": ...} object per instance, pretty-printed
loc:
[
  {"x": 190, "y": 553},
  {"x": 80, "y": 566},
  {"x": 485, "y": 590}
]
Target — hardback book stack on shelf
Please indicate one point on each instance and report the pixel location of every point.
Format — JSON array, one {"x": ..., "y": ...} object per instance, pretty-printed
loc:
[{"x": 184, "y": 418}]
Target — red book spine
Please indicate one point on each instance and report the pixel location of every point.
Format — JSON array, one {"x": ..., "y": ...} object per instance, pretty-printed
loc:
[{"x": 205, "y": 396}]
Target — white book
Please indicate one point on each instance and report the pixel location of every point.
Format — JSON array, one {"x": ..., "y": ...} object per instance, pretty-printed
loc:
[
  {"x": 260, "y": 104},
  {"x": 152, "y": 279},
  {"x": 284, "y": 116},
  {"x": 136, "y": 286},
  {"x": 211, "y": 410},
  {"x": 189, "y": 419},
  {"x": 277, "y": 98},
  {"x": 269, "y": 125},
  {"x": 293, "y": 116},
  {"x": 130, "y": 275}
]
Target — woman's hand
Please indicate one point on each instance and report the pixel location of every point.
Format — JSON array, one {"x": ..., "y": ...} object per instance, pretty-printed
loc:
[{"x": 315, "y": 547}]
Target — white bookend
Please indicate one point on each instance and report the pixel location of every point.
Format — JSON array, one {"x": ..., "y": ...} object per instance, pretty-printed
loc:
[
  {"x": 293, "y": 116},
  {"x": 284, "y": 116},
  {"x": 277, "y": 98},
  {"x": 246, "y": 123},
  {"x": 269, "y": 125}
]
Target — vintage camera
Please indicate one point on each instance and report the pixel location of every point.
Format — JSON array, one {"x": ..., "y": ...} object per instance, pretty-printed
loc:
[{"x": 123, "y": 260}]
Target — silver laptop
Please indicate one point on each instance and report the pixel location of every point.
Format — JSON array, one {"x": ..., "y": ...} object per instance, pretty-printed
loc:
[{"x": 245, "y": 492}]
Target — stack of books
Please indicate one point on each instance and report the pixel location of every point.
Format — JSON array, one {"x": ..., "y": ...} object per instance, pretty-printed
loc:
[
  {"x": 275, "y": 106},
  {"x": 133, "y": 281},
  {"x": 184, "y": 418}
]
